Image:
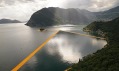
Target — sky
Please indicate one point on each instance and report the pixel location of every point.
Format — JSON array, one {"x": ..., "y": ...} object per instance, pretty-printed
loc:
[{"x": 23, "y": 9}]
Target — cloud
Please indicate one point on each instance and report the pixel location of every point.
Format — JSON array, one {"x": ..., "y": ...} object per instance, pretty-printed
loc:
[
  {"x": 23, "y": 9},
  {"x": 19, "y": 9},
  {"x": 92, "y": 5}
]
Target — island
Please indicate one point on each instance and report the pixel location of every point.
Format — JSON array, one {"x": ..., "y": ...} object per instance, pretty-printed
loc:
[{"x": 4, "y": 21}]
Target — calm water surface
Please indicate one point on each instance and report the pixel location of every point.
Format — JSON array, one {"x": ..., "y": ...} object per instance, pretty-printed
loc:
[{"x": 17, "y": 41}]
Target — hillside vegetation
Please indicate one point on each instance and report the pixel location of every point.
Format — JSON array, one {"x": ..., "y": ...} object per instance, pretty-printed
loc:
[{"x": 106, "y": 59}]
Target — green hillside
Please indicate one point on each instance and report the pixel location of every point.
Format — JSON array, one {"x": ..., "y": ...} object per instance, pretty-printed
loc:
[{"x": 106, "y": 59}]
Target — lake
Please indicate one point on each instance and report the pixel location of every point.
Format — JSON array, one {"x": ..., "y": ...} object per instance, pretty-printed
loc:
[{"x": 17, "y": 41}]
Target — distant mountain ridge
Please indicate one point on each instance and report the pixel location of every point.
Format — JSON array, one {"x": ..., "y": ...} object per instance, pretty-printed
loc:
[
  {"x": 3, "y": 21},
  {"x": 108, "y": 15},
  {"x": 58, "y": 16}
]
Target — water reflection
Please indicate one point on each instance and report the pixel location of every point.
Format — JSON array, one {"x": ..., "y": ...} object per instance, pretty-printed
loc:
[
  {"x": 64, "y": 47},
  {"x": 76, "y": 28},
  {"x": 45, "y": 62},
  {"x": 72, "y": 47},
  {"x": 61, "y": 51}
]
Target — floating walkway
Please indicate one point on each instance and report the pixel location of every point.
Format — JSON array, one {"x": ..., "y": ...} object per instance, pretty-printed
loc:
[{"x": 84, "y": 35}]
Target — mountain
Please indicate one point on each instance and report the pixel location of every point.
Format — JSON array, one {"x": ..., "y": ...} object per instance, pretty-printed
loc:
[
  {"x": 108, "y": 15},
  {"x": 3, "y": 21},
  {"x": 58, "y": 16},
  {"x": 106, "y": 59},
  {"x": 55, "y": 16},
  {"x": 107, "y": 29},
  {"x": 115, "y": 9}
]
